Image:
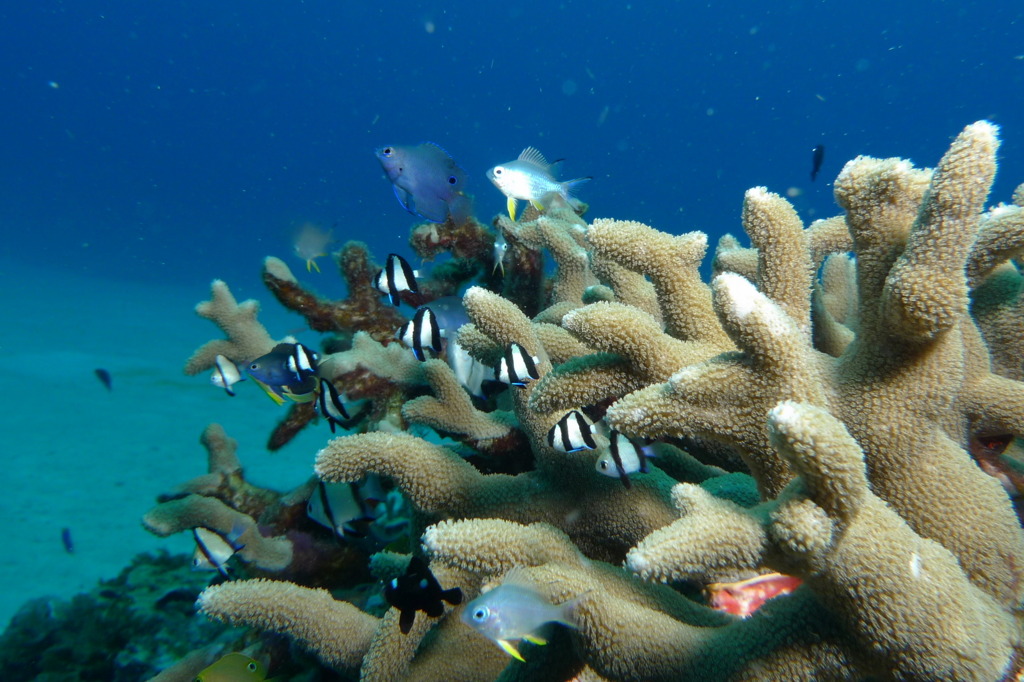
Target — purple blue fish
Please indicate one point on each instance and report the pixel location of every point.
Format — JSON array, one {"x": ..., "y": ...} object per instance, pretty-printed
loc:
[{"x": 427, "y": 181}]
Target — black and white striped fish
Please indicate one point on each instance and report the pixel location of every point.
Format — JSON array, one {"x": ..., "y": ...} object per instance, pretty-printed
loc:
[
  {"x": 396, "y": 276},
  {"x": 330, "y": 405},
  {"x": 517, "y": 367},
  {"x": 225, "y": 374},
  {"x": 347, "y": 509},
  {"x": 572, "y": 432},
  {"x": 622, "y": 459},
  {"x": 213, "y": 549},
  {"x": 422, "y": 333}
]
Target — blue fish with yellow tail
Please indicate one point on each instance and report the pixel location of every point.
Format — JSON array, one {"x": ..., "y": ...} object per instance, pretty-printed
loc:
[
  {"x": 427, "y": 181},
  {"x": 286, "y": 372}
]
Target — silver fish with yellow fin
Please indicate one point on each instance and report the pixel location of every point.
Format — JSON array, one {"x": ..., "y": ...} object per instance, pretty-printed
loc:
[
  {"x": 530, "y": 178},
  {"x": 513, "y": 611},
  {"x": 311, "y": 243}
]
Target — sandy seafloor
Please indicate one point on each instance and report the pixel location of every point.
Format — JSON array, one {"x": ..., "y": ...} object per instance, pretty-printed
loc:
[{"x": 75, "y": 455}]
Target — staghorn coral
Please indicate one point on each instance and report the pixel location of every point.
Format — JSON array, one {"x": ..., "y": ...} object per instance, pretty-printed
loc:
[{"x": 842, "y": 393}]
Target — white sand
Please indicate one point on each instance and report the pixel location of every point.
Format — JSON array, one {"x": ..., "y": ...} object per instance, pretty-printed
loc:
[{"x": 76, "y": 456}]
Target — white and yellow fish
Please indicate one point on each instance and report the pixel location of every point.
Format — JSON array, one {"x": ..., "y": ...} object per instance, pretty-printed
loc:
[
  {"x": 529, "y": 178},
  {"x": 513, "y": 611}
]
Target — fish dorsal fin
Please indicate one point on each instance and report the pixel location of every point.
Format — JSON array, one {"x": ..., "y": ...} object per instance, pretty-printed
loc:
[
  {"x": 439, "y": 147},
  {"x": 518, "y": 576},
  {"x": 533, "y": 156}
]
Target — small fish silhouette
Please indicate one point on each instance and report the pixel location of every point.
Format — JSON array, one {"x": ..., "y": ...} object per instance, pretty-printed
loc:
[
  {"x": 817, "y": 159},
  {"x": 105, "y": 378}
]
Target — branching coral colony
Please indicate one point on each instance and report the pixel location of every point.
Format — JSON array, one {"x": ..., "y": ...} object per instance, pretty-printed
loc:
[{"x": 812, "y": 412}]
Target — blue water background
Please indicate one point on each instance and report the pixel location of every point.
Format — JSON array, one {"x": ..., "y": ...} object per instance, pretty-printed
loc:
[
  {"x": 181, "y": 141},
  {"x": 149, "y": 147}
]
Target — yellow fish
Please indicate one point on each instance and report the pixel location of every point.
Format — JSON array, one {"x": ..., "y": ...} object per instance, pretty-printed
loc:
[
  {"x": 234, "y": 667},
  {"x": 310, "y": 243}
]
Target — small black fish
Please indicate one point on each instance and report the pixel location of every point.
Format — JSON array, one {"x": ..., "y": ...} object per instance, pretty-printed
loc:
[
  {"x": 816, "y": 161},
  {"x": 65, "y": 537},
  {"x": 105, "y": 378},
  {"x": 418, "y": 590}
]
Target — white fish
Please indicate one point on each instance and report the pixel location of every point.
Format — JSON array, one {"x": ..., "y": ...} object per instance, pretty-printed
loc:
[
  {"x": 623, "y": 458},
  {"x": 513, "y": 611},
  {"x": 500, "y": 249},
  {"x": 225, "y": 374},
  {"x": 470, "y": 372},
  {"x": 517, "y": 367},
  {"x": 529, "y": 178},
  {"x": 572, "y": 432},
  {"x": 395, "y": 277}
]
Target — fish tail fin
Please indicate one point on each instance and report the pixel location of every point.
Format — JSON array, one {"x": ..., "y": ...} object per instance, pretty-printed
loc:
[
  {"x": 568, "y": 610},
  {"x": 569, "y": 186},
  {"x": 238, "y": 529},
  {"x": 452, "y": 596},
  {"x": 460, "y": 208}
]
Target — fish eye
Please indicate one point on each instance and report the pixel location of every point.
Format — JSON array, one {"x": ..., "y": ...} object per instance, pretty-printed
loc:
[
  {"x": 254, "y": 365},
  {"x": 387, "y": 151},
  {"x": 603, "y": 464},
  {"x": 480, "y": 613},
  {"x": 452, "y": 179},
  {"x": 499, "y": 170},
  {"x": 251, "y": 667}
]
